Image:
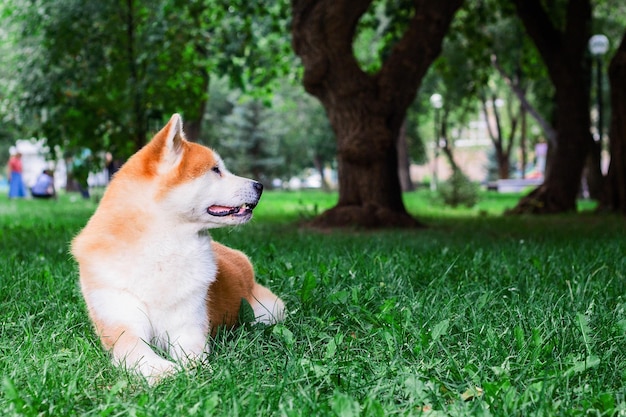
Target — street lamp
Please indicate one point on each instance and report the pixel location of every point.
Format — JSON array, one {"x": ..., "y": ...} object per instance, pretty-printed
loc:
[
  {"x": 436, "y": 100},
  {"x": 598, "y": 45}
]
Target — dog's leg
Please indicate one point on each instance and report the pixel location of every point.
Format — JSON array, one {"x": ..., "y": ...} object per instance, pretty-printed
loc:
[
  {"x": 126, "y": 333},
  {"x": 133, "y": 352},
  {"x": 268, "y": 307},
  {"x": 188, "y": 343}
]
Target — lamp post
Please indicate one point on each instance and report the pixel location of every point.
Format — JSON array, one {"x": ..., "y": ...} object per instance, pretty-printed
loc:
[
  {"x": 436, "y": 100},
  {"x": 598, "y": 45}
]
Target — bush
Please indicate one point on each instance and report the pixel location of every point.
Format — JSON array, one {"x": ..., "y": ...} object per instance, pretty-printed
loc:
[{"x": 459, "y": 190}]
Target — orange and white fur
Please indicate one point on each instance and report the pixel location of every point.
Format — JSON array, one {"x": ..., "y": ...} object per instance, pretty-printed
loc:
[{"x": 150, "y": 273}]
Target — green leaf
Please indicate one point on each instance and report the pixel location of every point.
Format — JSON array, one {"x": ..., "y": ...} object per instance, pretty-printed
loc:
[
  {"x": 284, "y": 334},
  {"x": 440, "y": 329},
  {"x": 331, "y": 348},
  {"x": 10, "y": 390},
  {"x": 340, "y": 297},
  {"x": 373, "y": 407},
  {"x": 246, "y": 312},
  {"x": 308, "y": 285},
  {"x": 585, "y": 329},
  {"x": 578, "y": 367},
  {"x": 344, "y": 405}
]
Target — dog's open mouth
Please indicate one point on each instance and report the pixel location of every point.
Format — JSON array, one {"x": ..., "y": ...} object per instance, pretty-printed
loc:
[{"x": 221, "y": 211}]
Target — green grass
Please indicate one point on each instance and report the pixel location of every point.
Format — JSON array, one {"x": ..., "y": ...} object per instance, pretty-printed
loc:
[{"x": 524, "y": 315}]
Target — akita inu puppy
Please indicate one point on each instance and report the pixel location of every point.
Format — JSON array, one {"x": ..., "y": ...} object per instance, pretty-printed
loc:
[{"x": 149, "y": 272}]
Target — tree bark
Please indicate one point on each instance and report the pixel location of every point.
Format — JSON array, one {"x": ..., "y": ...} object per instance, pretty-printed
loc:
[
  {"x": 593, "y": 178},
  {"x": 614, "y": 198},
  {"x": 563, "y": 52},
  {"x": 366, "y": 111}
]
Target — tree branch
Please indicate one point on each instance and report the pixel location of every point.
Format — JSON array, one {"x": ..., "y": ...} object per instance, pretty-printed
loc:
[
  {"x": 322, "y": 35},
  {"x": 421, "y": 43},
  {"x": 492, "y": 135},
  {"x": 547, "y": 128}
]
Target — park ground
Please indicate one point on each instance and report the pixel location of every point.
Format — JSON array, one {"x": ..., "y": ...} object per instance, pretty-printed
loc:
[{"x": 477, "y": 314}]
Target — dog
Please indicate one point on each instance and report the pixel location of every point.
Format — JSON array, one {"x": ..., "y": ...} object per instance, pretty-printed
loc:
[{"x": 150, "y": 274}]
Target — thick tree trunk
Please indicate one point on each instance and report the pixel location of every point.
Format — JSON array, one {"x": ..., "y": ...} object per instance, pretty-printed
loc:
[
  {"x": 366, "y": 111},
  {"x": 593, "y": 178},
  {"x": 614, "y": 198},
  {"x": 560, "y": 189},
  {"x": 563, "y": 54},
  {"x": 369, "y": 187}
]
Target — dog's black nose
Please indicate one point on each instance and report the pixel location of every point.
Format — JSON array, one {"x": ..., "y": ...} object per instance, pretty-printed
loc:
[{"x": 258, "y": 188}]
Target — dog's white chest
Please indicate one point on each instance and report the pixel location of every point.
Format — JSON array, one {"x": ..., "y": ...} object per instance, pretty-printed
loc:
[{"x": 172, "y": 270}]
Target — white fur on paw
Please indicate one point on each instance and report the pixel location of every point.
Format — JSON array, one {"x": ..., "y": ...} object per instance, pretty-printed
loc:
[
  {"x": 269, "y": 311},
  {"x": 156, "y": 371}
]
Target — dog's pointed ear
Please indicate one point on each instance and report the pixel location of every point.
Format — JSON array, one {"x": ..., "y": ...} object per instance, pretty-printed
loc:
[
  {"x": 165, "y": 150},
  {"x": 175, "y": 135},
  {"x": 173, "y": 139}
]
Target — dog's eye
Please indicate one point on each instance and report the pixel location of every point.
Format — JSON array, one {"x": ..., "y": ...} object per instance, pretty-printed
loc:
[{"x": 216, "y": 169}]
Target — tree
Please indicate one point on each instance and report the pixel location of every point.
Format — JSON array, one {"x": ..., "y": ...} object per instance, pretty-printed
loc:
[
  {"x": 90, "y": 76},
  {"x": 312, "y": 129},
  {"x": 292, "y": 131},
  {"x": 502, "y": 142},
  {"x": 9, "y": 130},
  {"x": 484, "y": 36},
  {"x": 563, "y": 48},
  {"x": 366, "y": 110},
  {"x": 247, "y": 144},
  {"x": 101, "y": 74},
  {"x": 614, "y": 197}
]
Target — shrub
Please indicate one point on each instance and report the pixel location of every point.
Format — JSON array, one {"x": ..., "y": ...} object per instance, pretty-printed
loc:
[{"x": 459, "y": 190}]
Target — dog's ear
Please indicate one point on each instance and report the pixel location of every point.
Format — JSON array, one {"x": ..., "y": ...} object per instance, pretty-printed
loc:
[
  {"x": 175, "y": 135},
  {"x": 164, "y": 151},
  {"x": 174, "y": 140}
]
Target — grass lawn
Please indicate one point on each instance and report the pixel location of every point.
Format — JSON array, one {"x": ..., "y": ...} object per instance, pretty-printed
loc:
[{"x": 477, "y": 314}]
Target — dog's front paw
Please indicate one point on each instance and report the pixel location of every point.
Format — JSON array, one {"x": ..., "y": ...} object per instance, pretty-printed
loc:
[
  {"x": 190, "y": 346},
  {"x": 157, "y": 370}
]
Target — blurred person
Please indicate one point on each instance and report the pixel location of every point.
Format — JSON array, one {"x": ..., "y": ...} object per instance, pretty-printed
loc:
[
  {"x": 44, "y": 186},
  {"x": 80, "y": 168},
  {"x": 112, "y": 165},
  {"x": 16, "y": 183}
]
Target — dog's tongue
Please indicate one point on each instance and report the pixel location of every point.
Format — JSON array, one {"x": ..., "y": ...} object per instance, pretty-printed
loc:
[{"x": 222, "y": 210}]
